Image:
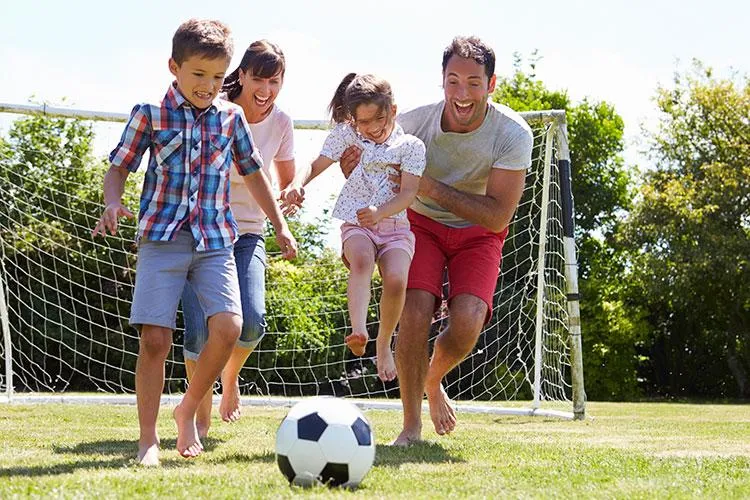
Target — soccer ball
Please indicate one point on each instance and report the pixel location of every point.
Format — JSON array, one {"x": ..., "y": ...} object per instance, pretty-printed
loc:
[{"x": 325, "y": 440}]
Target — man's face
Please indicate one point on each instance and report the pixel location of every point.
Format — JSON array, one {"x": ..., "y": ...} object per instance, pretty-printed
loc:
[
  {"x": 199, "y": 79},
  {"x": 466, "y": 88}
]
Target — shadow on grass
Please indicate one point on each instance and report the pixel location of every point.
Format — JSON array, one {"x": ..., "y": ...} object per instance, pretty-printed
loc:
[
  {"x": 385, "y": 456},
  {"x": 124, "y": 447}
]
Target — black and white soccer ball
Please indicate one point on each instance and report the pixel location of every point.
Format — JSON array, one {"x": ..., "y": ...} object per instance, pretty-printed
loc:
[{"x": 325, "y": 440}]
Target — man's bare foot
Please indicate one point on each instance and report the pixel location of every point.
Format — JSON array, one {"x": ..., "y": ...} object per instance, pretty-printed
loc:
[
  {"x": 229, "y": 408},
  {"x": 408, "y": 438},
  {"x": 188, "y": 443},
  {"x": 148, "y": 454},
  {"x": 441, "y": 409},
  {"x": 386, "y": 363},
  {"x": 356, "y": 342}
]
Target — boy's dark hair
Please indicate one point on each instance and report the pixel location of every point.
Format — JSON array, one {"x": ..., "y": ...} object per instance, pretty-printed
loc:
[
  {"x": 202, "y": 37},
  {"x": 471, "y": 47},
  {"x": 263, "y": 59},
  {"x": 357, "y": 89}
]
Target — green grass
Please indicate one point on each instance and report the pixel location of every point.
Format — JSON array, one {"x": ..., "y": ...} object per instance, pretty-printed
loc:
[{"x": 641, "y": 450}]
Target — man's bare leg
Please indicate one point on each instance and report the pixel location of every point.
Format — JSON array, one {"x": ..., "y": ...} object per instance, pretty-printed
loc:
[
  {"x": 154, "y": 346},
  {"x": 412, "y": 361},
  {"x": 224, "y": 330},
  {"x": 467, "y": 313},
  {"x": 203, "y": 413},
  {"x": 230, "y": 409}
]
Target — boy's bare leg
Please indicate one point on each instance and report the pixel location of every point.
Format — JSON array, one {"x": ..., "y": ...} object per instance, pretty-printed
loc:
[
  {"x": 412, "y": 361},
  {"x": 360, "y": 253},
  {"x": 467, "y": 313},
  {"x": 203, "y": 413},
  {"x": 224, "y": 330},
  {"x": 394, "y": 271},
  {"x": 154, "y": 345},
  {"x": 230, "y": 408}
]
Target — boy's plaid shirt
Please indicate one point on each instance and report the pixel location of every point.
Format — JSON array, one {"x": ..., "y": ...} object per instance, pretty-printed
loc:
[{"x": 187, "y": 180}]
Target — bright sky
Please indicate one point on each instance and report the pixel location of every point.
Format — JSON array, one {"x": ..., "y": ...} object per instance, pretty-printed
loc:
[{"x": 103, "y": 55}]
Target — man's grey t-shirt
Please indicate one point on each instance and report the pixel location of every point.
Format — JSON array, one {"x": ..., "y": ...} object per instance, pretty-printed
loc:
[{"x": 464, "y": 160}]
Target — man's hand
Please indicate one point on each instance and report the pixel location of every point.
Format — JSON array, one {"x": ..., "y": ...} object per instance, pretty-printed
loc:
[
  {"x": 349, "y": 160},
  {"x": 108, "y": 220},
  {"x": 368, "y": 216},
  {"x": 287, "y": 243},
  {"x": 425, "y": 182}
]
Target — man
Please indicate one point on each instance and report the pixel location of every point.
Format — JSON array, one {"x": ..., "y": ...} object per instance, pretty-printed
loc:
[{"x": 477, "y": 156}]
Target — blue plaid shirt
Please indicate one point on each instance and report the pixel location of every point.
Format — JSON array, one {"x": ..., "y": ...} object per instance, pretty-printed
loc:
[{"x": 187, "y": 180}]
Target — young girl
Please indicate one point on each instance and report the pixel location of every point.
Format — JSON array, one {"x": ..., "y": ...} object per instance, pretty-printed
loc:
[
  {"x": 375, "y": 228},
  {"x": 254, "y": 85}
]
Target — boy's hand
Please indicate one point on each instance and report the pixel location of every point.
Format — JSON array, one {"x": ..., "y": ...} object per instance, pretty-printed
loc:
[
  {"x": 287, "y": 243},
  {"x": 108, "y": 220},
  {"x": 368, "y": 216}
]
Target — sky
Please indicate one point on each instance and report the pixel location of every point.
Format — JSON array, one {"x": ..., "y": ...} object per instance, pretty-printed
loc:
[{"x": 107, "y": 56}]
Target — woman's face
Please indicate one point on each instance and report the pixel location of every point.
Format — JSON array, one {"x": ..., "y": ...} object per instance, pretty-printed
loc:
[{"x": 258, "y": 94}]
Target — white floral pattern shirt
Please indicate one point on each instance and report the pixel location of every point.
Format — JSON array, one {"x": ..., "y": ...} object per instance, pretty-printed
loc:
[{"x": 368, "y": 184}]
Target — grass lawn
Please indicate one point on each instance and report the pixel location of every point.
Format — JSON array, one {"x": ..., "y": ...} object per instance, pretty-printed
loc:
[{"x": 623, "y": 450}]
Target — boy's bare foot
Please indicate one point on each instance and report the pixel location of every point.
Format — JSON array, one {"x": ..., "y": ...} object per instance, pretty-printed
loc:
[
  {"x": 229, "y": 408},
  {"x": 386, "y": 363},
  {"x": 203, "y": 418},
  {"x": 408, "y": 437},
  {"x": 441, "y": 409},
  {"x": 188, "y": 443},
  {"x": 202, "y": 427},
  {"x": 148, "y": 454},
  {"x": 356, "y": 342}
]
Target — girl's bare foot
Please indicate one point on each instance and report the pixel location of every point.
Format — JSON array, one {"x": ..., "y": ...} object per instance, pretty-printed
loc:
[
  {"x": 356, "y": 342},
  {"x": 386, "y": 363}
]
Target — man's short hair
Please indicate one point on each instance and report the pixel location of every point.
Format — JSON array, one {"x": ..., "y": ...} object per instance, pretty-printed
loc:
[
  {"x": 202, "y": 37},
  {"x": 471, "y": 47}
]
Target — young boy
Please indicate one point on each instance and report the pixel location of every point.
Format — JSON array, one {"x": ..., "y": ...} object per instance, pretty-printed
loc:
[{"x": 185, "y": 227}]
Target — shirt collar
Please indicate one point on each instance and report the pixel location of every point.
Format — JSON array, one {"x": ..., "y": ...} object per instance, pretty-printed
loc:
[
  {"x": 174, "y": 99},
  {"x": 395, "y": 134}
]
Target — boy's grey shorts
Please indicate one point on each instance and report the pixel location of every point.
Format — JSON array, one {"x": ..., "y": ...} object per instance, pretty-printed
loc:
[{"x": 162, "y": 269}]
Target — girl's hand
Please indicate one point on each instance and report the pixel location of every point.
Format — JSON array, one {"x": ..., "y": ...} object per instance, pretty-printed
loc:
[
  {"x": 368, "y": 216},
  {"x": 108, "y": 220},
  {"x": 291, "y": 199}
]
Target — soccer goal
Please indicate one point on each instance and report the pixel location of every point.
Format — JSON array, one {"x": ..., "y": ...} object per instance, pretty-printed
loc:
[{"x": 65, "y": 298}]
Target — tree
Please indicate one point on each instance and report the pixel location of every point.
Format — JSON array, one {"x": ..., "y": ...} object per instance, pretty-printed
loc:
[
  {"x": 690, "y": 237},
  {"x": 611, "y": 328}
]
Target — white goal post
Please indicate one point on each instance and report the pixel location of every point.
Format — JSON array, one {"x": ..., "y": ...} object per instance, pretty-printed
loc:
[{"x": 64, "y": 297}]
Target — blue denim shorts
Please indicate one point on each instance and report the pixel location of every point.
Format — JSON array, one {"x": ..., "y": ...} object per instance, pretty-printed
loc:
[
  {"x": 250, "y": 258},
  {"x": 164, "y": 267}
]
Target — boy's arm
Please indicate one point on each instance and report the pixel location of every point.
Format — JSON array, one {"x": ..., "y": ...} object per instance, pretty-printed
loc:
[
  {"x": 114, "y": 187},
  {"x": 369, "y": 216},
  {"x": 260, "y": 188}
]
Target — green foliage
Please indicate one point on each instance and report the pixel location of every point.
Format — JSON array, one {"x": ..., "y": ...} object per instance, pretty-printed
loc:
[
  {"x": 600, "y": 180},
  {"x": 690, "y": 237}
]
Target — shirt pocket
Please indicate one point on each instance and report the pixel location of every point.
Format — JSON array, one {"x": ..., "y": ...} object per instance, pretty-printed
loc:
[
  {"x": 221, "y": 155},
  {"x": 168, "y": 150}
]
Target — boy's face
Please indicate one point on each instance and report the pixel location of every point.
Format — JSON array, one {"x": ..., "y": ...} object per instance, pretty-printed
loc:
[
  {"x": 466, "y": 89},
  {"x": 199, "y": 79}
]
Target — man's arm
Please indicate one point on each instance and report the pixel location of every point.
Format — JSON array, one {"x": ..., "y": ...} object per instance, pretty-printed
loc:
[{"x": 493, "y": 210}]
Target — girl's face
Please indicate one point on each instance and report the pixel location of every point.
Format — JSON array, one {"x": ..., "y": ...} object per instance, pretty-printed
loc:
[
  {"x": 375, "y": 123},
  {"x": 258, "y": 94}
]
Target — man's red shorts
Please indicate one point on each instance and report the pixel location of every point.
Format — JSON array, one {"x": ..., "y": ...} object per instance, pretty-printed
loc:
[{"x": 471, "y": 255}]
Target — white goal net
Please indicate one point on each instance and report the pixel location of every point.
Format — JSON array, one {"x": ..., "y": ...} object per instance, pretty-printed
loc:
[{"x": 65, "y": 297}]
